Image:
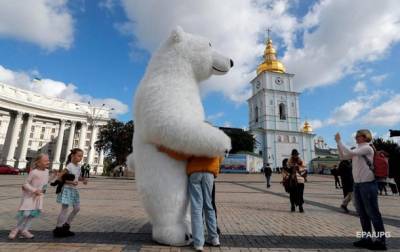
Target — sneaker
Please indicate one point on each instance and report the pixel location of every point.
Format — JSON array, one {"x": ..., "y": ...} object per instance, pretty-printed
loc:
[
  {"x": 215, "y": 242},
  {"x": 198, "y": 248},
  {"x": 345, "y": 208},
  {"x": 66, "y": 230},
  {"x": 13, "y": 234},
  {"x": 26, "y": 234},
  {"x": 378, "y": 245},
  {"x": 301, "y": 210},
  {"x": 363, "y": 243}
]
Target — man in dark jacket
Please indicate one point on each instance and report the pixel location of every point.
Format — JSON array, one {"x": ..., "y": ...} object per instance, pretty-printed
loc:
[
  {"x": 335, "y": 173},
  {"x": 345, "y": 173},
  {"x": 268, "y": 173}
]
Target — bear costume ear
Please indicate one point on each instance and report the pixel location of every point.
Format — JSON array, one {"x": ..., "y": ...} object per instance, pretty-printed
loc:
[{"x": 177, "y": 34}]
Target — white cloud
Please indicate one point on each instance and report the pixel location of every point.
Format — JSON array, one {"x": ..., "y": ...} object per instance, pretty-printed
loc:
[
  {"x": 315, "y": 124},
  {"x": 214, "y": 117},
  {"x": 56, "y": 89},
  {"x": 46, "y": 23},
  {"x": 330, "y": 47},
  {"x": 351, "y": 111},
  {"x": 360, "y": 87},
  {"x": 378, "y": 79},
  {"x": 234, "y": 27},
  {"x": 386, "y": 114},
  {"x": 339, "y": 35}
]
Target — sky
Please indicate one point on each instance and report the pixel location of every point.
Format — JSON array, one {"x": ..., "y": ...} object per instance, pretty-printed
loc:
[{"x": 345, "y": 54}]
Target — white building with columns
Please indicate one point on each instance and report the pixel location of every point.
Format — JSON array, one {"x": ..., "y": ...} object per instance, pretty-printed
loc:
[
  {"x": 274, "y": 113},
  {"x": 31, "y": 123}
]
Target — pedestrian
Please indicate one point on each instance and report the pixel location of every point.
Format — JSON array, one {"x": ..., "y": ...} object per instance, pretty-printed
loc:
[
  {"x": 345, "y": 173},
  {"x": 296, "y": 181},
  {"x": 201, "y": 174},
  {"x": 87, "y": 170},
  {"x": 334, "y": 172},
  {"x": 268, "y": 173},
  {"x": 95, "y": 170},
  {"x": 382, "y": 177},
  {"x": 365, "y": 190},
  {"x": 69, "y": 195},
  {"x": 33, "y": 191}
]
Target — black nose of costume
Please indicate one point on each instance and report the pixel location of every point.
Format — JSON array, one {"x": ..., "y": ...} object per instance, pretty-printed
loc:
[{"x": 231, "y": 63}]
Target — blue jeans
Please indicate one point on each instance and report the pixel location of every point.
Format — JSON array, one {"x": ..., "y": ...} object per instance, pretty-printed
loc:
[
  {"x": 200, "y": 192},
  {"x": 366, "y": 203}
]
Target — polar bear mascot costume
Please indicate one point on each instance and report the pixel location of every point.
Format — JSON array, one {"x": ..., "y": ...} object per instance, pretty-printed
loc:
[{"x": 169, "y": 114}]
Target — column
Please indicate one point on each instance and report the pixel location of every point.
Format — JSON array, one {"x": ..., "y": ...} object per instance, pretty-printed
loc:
[
  {"x": 70, "y": 139},
  {"x": 14, "y": 137},
  {"x": 101, "y": 159},
  {"x": 60, "y": 138},
  {"x": 82, "y": 137},
  {"x": 93, "y": 139},
  {"x": 24, "y": 147}
]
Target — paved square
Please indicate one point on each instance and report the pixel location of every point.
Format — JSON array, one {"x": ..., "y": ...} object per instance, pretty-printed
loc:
[{"x": 250, "y": 216}]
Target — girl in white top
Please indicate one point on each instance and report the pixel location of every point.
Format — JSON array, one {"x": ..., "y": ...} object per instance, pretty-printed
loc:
[
  {"x": 32, "y": 197},
  {"x": 69, "y": 195}
]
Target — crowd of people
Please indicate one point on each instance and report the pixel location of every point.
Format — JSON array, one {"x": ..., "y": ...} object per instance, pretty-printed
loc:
[{"x": 360, "y": 181}]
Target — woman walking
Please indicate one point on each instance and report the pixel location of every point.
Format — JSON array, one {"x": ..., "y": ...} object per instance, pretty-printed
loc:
[{"x": 296, "y": 181}]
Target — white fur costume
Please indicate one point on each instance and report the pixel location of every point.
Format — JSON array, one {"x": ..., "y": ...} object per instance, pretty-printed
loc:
[{"x": 169, "y": 113}]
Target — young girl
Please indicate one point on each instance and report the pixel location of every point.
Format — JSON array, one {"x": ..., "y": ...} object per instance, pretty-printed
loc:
[
  {"x": 32, "y": 197},
  {"x": 69, "y": 195}
]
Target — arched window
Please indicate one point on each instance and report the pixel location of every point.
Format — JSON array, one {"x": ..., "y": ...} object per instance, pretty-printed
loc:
[
  {"x": 282, "y": 111},
  {"x": 256, "y": 114},
  {"x": 286, "y": 139}
]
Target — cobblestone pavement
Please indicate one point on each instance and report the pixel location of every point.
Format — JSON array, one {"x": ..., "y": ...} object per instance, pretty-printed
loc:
[{"x": 250, "y": 216}]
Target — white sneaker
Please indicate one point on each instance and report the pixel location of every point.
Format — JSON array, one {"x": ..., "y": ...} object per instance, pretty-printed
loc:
[
  {"x": 198, "y": 248},
  {"x": 215, "y": 242}
]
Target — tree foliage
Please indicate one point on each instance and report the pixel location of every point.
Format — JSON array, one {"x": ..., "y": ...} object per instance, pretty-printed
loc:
[
  {"x": 241, "y": 140},
  {"x": 387, "y": 145},
  {"x": 115, "y": 139}
]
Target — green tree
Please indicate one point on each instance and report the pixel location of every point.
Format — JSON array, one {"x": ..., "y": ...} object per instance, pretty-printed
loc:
[
  {"x": 387, "y": 145},
  {"x": 241, "y": 140},
  {"x": 115, "y": 139}
]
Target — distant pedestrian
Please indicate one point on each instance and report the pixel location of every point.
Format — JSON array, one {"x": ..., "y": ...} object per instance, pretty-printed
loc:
[
  {"x": 345, "y": 173},
  {"x": 69, "y": 195},
  {"x": 33, "y": 191},
  {"x": 365, "y": 190},
  {"x": 268, "y": 174},
  {"x": 382, "y": 175},
  {"x": 296, "y": 181},
  {"x": 334, "y": 172}
]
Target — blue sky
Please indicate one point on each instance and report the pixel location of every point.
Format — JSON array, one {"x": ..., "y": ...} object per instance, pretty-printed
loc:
[{"x": 346, "y": 61}]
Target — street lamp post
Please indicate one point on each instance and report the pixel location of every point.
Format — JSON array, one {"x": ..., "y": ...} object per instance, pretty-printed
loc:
[{"x": 94, "y": 115}]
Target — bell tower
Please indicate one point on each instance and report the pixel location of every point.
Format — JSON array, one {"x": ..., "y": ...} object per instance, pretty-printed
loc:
[{"x": 274, "y": 111}]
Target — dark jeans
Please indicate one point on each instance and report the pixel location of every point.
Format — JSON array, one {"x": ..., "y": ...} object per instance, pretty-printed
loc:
[
  {"x": 337, "y": 182},
  {"x": 366, "y": 203},
  {"x": 296, "y": 195}
]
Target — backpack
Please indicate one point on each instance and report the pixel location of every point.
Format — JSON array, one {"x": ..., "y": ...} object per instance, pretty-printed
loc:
[{"x": 380, "y": 167}]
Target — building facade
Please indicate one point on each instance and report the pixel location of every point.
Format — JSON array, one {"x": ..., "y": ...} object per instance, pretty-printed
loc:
[
  {"x": 274, "y": 113},
  {"x": 31, "y": 123}
]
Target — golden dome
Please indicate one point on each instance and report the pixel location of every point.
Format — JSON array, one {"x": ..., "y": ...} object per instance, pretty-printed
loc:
[
  {"x": 270, "y": 63},
  {"x": 307, "y": 127}
]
